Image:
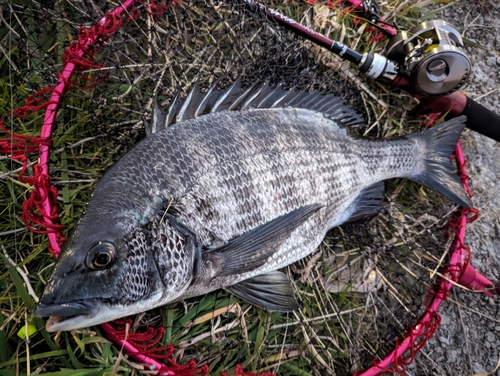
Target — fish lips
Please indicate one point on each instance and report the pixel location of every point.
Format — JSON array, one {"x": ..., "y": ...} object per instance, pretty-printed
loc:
[{"x": 69, "y": 311}]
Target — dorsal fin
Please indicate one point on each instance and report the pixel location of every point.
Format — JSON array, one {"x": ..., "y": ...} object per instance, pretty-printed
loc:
[
  {"x": 230, "y": 97},
  {"x": 236, "y": 98},
  {"x": 157, "y": 120},
  {"x": 174, "y": 107},
  {"x": 206, "y": 103}
]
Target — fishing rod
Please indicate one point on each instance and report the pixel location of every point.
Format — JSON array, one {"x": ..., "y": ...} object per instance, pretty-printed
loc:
[
  {"x": 426, "y": 61},
  {"x": 373, "y": 65}
]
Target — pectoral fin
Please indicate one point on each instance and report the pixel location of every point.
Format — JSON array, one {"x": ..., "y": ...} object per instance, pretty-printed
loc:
[
  {"x": 252, "y": 249},
  {"x": 272, "y": 291}
]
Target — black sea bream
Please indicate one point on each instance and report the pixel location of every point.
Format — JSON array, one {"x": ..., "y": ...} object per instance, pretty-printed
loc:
[{"x": 247, "y": 181}]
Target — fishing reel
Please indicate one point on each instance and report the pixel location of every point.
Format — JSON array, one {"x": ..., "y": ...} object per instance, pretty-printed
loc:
[{"x": 431, "y": 56}]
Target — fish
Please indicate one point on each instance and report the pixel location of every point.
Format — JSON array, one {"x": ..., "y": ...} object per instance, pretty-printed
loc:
[{"x": 227, "y": 188}]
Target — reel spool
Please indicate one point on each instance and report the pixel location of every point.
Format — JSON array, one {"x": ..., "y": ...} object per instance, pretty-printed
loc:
[{"x": 431, "y": 55}]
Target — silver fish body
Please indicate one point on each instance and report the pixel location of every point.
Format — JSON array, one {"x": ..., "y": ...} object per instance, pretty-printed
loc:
[{"x": 226, "y": 199}]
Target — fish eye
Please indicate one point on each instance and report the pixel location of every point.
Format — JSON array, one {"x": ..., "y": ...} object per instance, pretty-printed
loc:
[{"x": 101, "y": 256}]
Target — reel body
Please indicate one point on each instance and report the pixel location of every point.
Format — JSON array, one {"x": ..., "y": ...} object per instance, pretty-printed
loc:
[{"x": 431, "y": 55}]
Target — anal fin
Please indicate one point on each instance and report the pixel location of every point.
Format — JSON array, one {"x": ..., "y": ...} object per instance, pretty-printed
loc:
[
  {"x": 271, "y": 291},
  {"x": 368, "y": 202}
]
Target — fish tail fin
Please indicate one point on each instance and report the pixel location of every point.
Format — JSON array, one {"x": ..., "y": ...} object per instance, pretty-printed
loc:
[{"x": 438, "y": 172}]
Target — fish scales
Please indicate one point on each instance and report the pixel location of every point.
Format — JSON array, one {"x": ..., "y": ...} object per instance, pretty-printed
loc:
[
  {"x": 305, "y": 163},
  {"x": 281, "y": 166},
  {"x": 310, "y": 166},
  {"x": 225, "y": 200}
]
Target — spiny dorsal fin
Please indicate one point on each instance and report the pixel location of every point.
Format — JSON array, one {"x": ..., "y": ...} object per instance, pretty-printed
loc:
[
  {"x": 157, "y": 120},
  {"x": 174, "y": 107},
  {"x": 206, "y": 103},
  {"x": 259, "y": 95}
]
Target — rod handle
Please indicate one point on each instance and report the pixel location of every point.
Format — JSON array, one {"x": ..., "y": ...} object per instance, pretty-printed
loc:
[{"x": 481, "y": 120}]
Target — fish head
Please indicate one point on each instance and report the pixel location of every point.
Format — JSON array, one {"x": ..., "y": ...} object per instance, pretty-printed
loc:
[{"x": 111, "y": 269}]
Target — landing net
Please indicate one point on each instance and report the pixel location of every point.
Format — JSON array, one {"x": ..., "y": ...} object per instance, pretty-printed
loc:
[{"x": 78, "y": 80}]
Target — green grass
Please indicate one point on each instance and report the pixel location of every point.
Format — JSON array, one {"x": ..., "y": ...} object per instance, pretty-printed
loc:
[{"x": 333, "y": 330}]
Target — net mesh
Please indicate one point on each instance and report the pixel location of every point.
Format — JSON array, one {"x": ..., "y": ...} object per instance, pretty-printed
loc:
[{"x": 360, "y": 291}]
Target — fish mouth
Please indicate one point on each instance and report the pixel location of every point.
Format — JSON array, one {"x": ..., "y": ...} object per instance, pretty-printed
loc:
[{"x": 69, "y": 315}]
